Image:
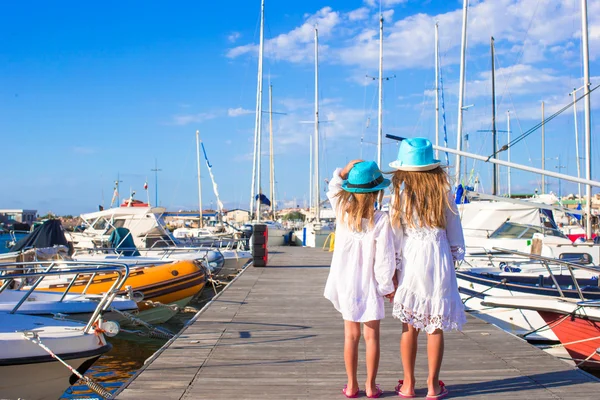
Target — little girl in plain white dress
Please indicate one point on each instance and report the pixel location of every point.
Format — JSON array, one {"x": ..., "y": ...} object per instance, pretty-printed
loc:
[{"x": 362, "y": 267}]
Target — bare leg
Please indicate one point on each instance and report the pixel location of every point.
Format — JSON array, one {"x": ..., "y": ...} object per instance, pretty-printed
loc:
[
  {"x": 408, "y": 352},
  {"x": 435, "y": 353},
  {"x": 371, "y": 334},
  {"x": 351, "y": 339}
]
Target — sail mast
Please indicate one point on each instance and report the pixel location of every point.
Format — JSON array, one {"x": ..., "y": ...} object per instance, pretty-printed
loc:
[
  {"x": 257, "y": 126},
  {"x": 574, "y": 94},
  {"x": 437, "y": 92},
  {"x": 587, "y": 118},
  {"x": 199, "y": 186},
  {"x": 508, "y": 151},
  {"x": 316, "y": 141},
  {"x": 272, "y": 165},
  {"x": 461, "y": 90},
  {"x": 543, "y": 147},
  {"x": 380, "y": 111},
  {"x": 494, "y": 139}
]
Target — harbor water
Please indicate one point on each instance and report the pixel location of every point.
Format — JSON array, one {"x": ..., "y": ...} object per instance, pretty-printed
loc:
[
  {"x": 129, "y": 353},
  {"x": 6, "y": 239}
]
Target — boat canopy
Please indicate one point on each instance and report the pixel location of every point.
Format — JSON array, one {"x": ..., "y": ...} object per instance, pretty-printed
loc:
[{"x": 48, "y": 234}]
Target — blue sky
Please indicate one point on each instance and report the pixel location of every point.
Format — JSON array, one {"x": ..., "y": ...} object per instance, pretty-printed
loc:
[{"x": 92, "y": 92}]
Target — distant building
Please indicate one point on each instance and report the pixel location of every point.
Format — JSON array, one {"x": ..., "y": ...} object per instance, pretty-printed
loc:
[
  {"x": 237, "y": 215},
  {"x": 10, "y": 217}
]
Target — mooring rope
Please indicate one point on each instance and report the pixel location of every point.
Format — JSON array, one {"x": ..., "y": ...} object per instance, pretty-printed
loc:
[{"x": 95, "y": 386}]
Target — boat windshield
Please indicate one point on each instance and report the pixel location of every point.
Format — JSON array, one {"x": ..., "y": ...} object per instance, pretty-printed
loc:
[{"x": 510, "y": 230}]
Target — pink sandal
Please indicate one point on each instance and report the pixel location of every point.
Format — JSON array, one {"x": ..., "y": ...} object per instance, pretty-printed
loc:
[
  {"x": 353, "y": 396},
  {"x": 443, "y": 393},
  {"x": 404, "y": 396},
  {"x": 377, "y": 394}
]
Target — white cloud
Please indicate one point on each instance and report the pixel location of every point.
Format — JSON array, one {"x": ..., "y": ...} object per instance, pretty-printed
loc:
[
  {"x": 358, "y": 14},
  {"x": 531, "y": 31},
  {"x": 298, "y": 44},
  {"x": 233, "y": 37},
  {"x": 236, "y": 112},
  {"x": 384, "y": 3},
  {"x": 191, "y": 118}
]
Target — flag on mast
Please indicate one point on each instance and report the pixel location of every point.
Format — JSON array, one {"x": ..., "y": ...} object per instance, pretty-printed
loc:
[{"x": 212, "y": 178}]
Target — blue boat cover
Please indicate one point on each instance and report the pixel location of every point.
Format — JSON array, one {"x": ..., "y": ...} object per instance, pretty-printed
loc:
[{"x": 122, "y": 241}]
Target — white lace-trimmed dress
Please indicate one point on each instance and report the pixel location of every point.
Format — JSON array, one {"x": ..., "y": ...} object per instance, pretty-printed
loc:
[
  {"x": 363, "y": 265},
  {"x": 427, "y": 296}
]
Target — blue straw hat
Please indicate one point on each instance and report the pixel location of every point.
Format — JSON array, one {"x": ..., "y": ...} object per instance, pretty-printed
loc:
[
  {"x": 365, "y": 177},
  {"x": 415, "y": 154}
]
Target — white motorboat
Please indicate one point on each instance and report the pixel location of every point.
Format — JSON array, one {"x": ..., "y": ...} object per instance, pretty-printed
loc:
[
  {"x": 60, "y": 305},
  {"x": 30, "y": 372},
  {"x": 559, "y": 281},
  {"x": 40, "y": 357}
]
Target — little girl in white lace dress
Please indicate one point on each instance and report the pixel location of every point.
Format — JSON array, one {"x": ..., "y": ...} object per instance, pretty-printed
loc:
[{"x": 429, "y": 235}]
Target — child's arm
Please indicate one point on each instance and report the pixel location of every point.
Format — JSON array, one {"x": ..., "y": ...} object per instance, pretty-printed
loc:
[
  {"x": 335, "y": 184},
  {"x": 454, "y": 231},
  {"x": 385, "y": 259}
]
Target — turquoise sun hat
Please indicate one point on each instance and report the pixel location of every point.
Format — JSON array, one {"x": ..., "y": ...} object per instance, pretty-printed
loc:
[
  {"x": 415, "y": 154},
  {"x": 365, "y": 177}
]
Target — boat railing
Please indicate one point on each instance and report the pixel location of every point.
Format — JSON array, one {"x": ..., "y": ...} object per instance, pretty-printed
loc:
[
  {"x": 26, "y": 270},
  {"x": 547, "y": 261}
]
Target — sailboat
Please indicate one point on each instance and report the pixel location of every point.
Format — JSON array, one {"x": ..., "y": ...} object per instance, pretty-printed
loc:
[
  {"x": 277, "y": 233},
  {"x": 315, "y": 233}
]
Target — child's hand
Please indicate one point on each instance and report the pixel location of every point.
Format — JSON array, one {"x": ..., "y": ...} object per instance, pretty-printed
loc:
[{"x": 347, "y": 168}]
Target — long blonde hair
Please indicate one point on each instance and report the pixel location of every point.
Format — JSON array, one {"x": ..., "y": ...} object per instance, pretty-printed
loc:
[
  {"x": 424, "y": 199},
  {"x": 356, "y": 206}
]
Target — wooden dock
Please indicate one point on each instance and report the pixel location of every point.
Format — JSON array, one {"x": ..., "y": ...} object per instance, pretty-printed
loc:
[{"x": 272, "y": 335}]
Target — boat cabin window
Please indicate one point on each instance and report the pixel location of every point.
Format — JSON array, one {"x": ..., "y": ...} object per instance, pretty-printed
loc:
[
  {"x": 100, "y": 224},
  {"x": 510, "y": 230},
  {"x": 578, "y": 258},
  {"x": 119, "y": 223}
]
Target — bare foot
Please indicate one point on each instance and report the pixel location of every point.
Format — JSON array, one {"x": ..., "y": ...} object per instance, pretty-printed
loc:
[{"x": 433, "y": 388}]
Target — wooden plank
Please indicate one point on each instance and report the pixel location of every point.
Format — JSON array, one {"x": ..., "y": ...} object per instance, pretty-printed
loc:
[{"x": 271, "y": 335}]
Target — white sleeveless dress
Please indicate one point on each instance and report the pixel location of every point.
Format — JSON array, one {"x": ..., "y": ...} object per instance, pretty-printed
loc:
[{"x": 427, "y": 296}]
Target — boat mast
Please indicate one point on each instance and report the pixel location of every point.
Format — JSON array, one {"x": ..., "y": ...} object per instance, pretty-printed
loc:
[
  {"x": 508, "y": 151},
  {"x": 494, "y": 139},
  {"x": 461, "y": 90},
  {"x": 316, "y": 141},
  {"x": 310, "y": 175},
  {"x": 437, "y": 92},
  {"x": 272, "y": 165},
  {"x": 200, "y": 224},
  {"x": 587, "y": 118},
  {"x": 543, "y": 148},
  {"x": 257, "y": 126},
  {"x": 380, "y": 111},
  {"x": 574, "y": 94}
]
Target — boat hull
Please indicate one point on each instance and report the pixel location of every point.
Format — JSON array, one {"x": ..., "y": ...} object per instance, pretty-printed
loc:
[
  {"x": 579, "y": 335},
  {"x": 168, "y": 284},
  {"x": 44, "y": 380},
  {"x": 516, "y": 321}
]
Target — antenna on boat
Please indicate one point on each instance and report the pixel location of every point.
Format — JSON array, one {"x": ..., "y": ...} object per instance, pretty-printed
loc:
[{"x": 156, "y": 170}]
